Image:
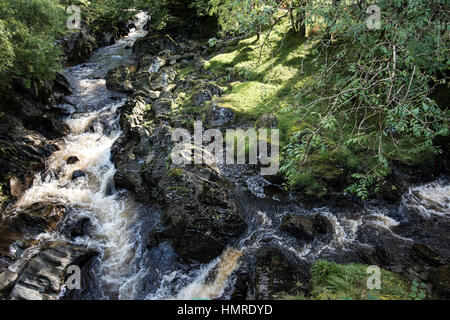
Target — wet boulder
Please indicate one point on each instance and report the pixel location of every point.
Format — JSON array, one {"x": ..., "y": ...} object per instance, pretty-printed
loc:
[
  {"x": 28, "y": 223},
  {"x": 72, "y": 160},
  {"x": 306, "y": 228},
  {"x": 119, "y": 79},
  {"x": 276, "y": 276},
  {"x": 78, "y": 174},
  {"x": 78, "y": 45},
  {"x": 80, "y": 228},
  {"x": 42, "y": 277},
  {"x": 201, "y": 215}
]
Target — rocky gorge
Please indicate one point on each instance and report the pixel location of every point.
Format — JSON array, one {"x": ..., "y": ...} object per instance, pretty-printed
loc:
[{"x": 107, "y": 197}]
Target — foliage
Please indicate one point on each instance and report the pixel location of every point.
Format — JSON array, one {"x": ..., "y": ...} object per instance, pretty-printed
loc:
[
  {"x": 330, "y": 280},
  {"x": 374, "y": 88},
  {"x": 28, "y": 29},
  {"x": 242, "y": 17},
  {"x": 418, "y": 291},
  {"x": 366, "y": 105}
]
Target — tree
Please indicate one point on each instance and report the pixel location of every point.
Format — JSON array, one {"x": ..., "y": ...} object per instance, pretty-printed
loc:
[{"x": 28, "y": 29}]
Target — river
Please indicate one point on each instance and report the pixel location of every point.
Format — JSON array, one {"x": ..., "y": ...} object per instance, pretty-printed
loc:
[{"x": 119, "y": 225}]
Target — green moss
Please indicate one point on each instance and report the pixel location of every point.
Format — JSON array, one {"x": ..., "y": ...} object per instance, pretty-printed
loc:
[
  {"x": 184, "y": 72},
  {"x": 176, "y": 173},
  {"x": 247, "y": 99}
]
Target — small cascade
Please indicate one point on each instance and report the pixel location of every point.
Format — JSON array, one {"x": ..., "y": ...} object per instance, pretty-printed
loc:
[{"x": 429, "y": 200}]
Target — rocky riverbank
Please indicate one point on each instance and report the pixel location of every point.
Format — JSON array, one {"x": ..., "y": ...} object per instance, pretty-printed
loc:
[
  {"x": 203, "y": 213},
  {"x": 224, "y": 230}
]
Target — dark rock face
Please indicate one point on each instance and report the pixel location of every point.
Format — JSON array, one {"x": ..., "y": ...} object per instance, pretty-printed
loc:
[
  {"x": 441, "y": 283},
  {"x": 28, "y": 223},
  {"x": 78, "y": 174},
  {"x": 217, "y": 116},
  {"x": 42, "y": 277},
  {"x": 306, "y": 228},
  {"x": 79, "y": 46},
  {"x": 202, "y": 217},
  {"x": 153, "y": 44},
  {"x": 80, "y": 228},
  {"x": 72, "y": 160},
  {"x": 29, "y": 119},
  {"x": 275, "y": 275}
]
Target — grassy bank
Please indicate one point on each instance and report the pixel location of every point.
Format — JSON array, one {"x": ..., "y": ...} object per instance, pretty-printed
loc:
[{"x": 332, "y": 281}]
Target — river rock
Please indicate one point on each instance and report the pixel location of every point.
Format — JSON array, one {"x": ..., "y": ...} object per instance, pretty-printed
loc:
[
  {"x": 80, "y": 228},
  {"x": 217, "y": 117},
  {"x": 276, "y": 276},
  {"x": 72, "y": 160},
  {"x": 28, "y": 223},
  {"x": 78, "y": 45},
  {"x": 306, "y": 228},
  {"x": 43, "y": 276},
  {"x": 201, "y": 215},
  {"x": 78, "y": 174},
  {"x": 118, "y": 79}
]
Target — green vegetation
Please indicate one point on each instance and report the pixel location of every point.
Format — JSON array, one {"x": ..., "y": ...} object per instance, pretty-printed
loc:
[
  {"x": 28, "y": 29},
  {"x": 331, "y": 281},
  {"x": 351, "y": 102}
]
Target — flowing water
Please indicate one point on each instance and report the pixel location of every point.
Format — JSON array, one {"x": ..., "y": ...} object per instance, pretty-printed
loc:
[
  {"x": 125, "y": 268},
  {"x": 115, "y": 217}
]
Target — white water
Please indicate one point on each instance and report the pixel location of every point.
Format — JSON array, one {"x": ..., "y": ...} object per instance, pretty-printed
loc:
[
  {"x": 429, "y": 200},
  {"x": 114, "y": 218}
]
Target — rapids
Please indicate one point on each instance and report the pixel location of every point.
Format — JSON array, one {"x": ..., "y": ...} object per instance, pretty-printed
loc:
[{"x": 125, "y": 267}]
